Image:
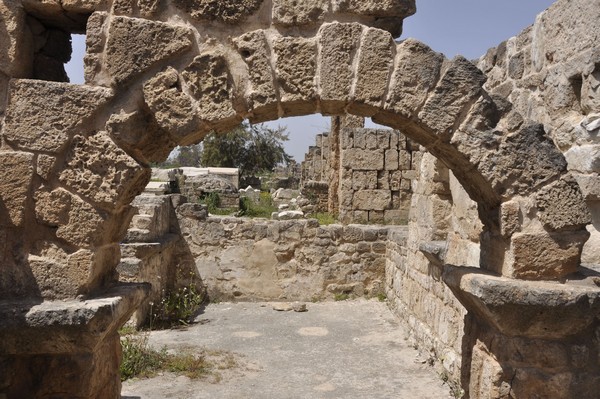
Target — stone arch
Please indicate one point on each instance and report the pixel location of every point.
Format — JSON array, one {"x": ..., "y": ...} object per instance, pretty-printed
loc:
[{"x": 76, "y": 156}]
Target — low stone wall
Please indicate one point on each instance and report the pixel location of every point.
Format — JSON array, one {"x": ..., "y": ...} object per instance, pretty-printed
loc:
[{"x": 259, "y": 259}]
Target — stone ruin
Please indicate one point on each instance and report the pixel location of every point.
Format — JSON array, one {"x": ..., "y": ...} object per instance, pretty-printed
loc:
[
  {"x": 495, "y": 287},
  {"x": 371, "y": 173}
]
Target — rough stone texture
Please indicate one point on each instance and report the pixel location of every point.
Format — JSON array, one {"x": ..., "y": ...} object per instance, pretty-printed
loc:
[
  {"x": 101, "y": 171},
  {"x": 228, "y": 11},
  {"x": 561, "y": 206},
  {"x": 338, "y": 43},
  {"x": 16, "y": 177},
  {"x": 247, "y": 259},
  {"x": 416, "y": 72},
  {"x": 294, "y": 13},
  {"x": 374, "y": 67},
  {"x": 261, "y": 92},
  {"x": 296, "y": 63},
  {"x": 174, "y": 111},
  {"x": 210, "y": 83},
  {"x": 545, "y": 255},
  {"x": 15, "y": 53},
  {"x": 66, "y": 109},
  {"x": 134, "y": 45}
]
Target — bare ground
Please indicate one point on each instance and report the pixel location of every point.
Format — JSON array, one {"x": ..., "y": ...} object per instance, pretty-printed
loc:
[{"x": 348, "y": 349}]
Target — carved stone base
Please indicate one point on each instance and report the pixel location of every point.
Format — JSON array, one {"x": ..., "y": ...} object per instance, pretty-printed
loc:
[
  {"x": 66, "y": 349},
  {"x": 526, "y": 339}
]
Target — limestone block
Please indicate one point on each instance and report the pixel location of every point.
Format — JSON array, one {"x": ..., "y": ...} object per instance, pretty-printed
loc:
[
  {"x": 16, "y": 53},
  {"x": 228, "y": 11},
  {"x": 379, "y": 8},
  {"x": 391, "y": 160},
  {"x": 338, "y": 43},
  {"x": 375, "y": 64},
  {"x": 590, "y": 91},
  {"x": 210, "y": 83},
  {"x": 134, "y": 45},
  {"x": 383, "y": 180},
  {"x": 42, "y": 115},
  {"x": 584, "y": 159},
  {"x": 45, "y": 165},
  {"x": 395, "y": 216},
  {"x": 372, "y": 200},
  {"x": 359, "y": 159},
  {"x": 295, "y": 67},
  {"x": 16, "y": 175},
  {"x": 404, "y": 161},
  {"x": 261, "y": 93},
  {"x": 546, "y": 256},
  {"x": 293, "y": 12},
  {"x": 416, "y": 73},
  {"x": 139, "y": 134},
  {"x": 364, "y": 180},
  {"x": 589, "y": 185},
  {"x": 523, "y": 162},
  {"x": 457, "y": 89},
  {"x": 591, "y": 249},
  {"x": 174, "y": 111},
  {"x": 97, "y": 169},
  {"x": 396, "y": 180},
  {"x": 561, "y": 206}
]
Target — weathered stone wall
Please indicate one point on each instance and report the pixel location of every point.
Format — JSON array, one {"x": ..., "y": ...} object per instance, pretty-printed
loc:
[
  {"x": 254, "y": 259},
  {"x": 370, "y": 172},
  {"x": 551, "y": 74},
  {"x": 377, "y": 169}
]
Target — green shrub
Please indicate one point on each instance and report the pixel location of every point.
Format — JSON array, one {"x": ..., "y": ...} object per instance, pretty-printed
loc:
[
  {"x": 324, "y": 218},
  {"x": 263, "y": 209},
  {"x": 177, "y": 307}
]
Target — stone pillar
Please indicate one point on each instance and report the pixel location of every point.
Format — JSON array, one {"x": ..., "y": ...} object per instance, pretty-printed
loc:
[{"x": 527, "y": 339}]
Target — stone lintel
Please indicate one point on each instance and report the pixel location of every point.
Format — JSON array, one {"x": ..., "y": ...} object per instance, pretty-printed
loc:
[{"x": 520, "y": 308}]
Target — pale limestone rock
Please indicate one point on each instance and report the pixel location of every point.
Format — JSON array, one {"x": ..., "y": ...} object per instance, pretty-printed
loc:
[
  {"x": 261, "y": 93},
  {"x": 228, "y": 11},
  {"x": 16, "y": 177},
  {"x": 391, "y": 160},
  {"x": 210, "y": 83},
  {"x": 99, "y": 170},
  {"x": 377, "y": 200},
  {"x": 16, "y": 55},
  {"x": 375, "y": 64},
  {"x": 295, "y": 13},
  {"x": 459, "y": 86},
  {"x": 174, "y": 111},
  {"x": 584, "y": 159},
  {"x": 337, "y": 42},
  {"x": 296, "y": 66},
  {"x": 45, "y": 165},
  {"x": 380, "y": 8},
  {"x": 134, "y": 45},
  {"x": 416, "y": 73},
  {"x": 363, "y": 159},
  {"x": 364, "y": 180},
  {"x": 66, "y": 109}
]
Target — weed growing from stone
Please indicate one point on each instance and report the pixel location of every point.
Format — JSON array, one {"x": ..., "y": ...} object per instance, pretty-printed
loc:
[
  {"x": 381, "y": 297},
  {"x": 263, "y": 209},
  {"x": 324, "y": 218},
  {"x": 341, "y": 297},
  {"x": 177, "y": 307}
]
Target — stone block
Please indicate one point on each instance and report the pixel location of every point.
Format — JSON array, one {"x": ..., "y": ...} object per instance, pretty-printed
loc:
[
  {"x": 395, "y": 180},
  {"x": 134, "y": 45},
  {"x": 383, "y": 180},
  {"x": 375, "y": 64},
  {"x": 404, "y": 161},
  {"x": 16, "y": 55},
  {"x": 546, "y": 256},
  {"x": 561, "y": 206},
  {"x": 415, "y": 75},
  {"x": 359, "y": 159},
  {"x": 510, "y": 218},
  {"x": 16, "y": 176},
  {"x": 296, "y": 67},
  {"x": 376, "y": 217},
  {"x": 460, "y": 85},
  {"x": 261, "y": 92},
  {"x": 174, "y": 111},
  {"x": 589, "y": 186},
  {"x": 41, "y": 115},
  {"x": 298, "y": 13},
  {"x": 364, "y": 180},
  {"x": 391, "y": 160},
  {"x": 210, "y": 82},
  {"x": 378, "y": 8},
  {"x": 584, "y": 159},
  {"x": 227, "y": 11},
  {"x": 97, "y": 169},
  {"x": 372, "y": 200},
  {"x": 338, "y": 43}
]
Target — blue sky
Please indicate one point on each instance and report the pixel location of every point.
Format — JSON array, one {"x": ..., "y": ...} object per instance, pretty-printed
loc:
[{"x": 466, "y": 27}]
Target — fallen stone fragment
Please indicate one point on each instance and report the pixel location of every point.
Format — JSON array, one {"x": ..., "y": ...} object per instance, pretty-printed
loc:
[
  {"x": 299, "y": 307},
  {"x": 282, "y": 307}
]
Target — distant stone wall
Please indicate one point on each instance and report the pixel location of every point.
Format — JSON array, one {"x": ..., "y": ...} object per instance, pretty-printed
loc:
[
  {"x": 316, "y": 161},
  {"x": 258, "y": 259}
]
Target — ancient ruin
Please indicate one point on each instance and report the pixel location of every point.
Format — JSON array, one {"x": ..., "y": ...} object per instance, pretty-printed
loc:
[{"x": 496, "y": 272}]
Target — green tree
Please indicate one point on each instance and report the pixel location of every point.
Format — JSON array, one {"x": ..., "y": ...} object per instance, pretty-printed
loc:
[{"x": 251, "y": 148}]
